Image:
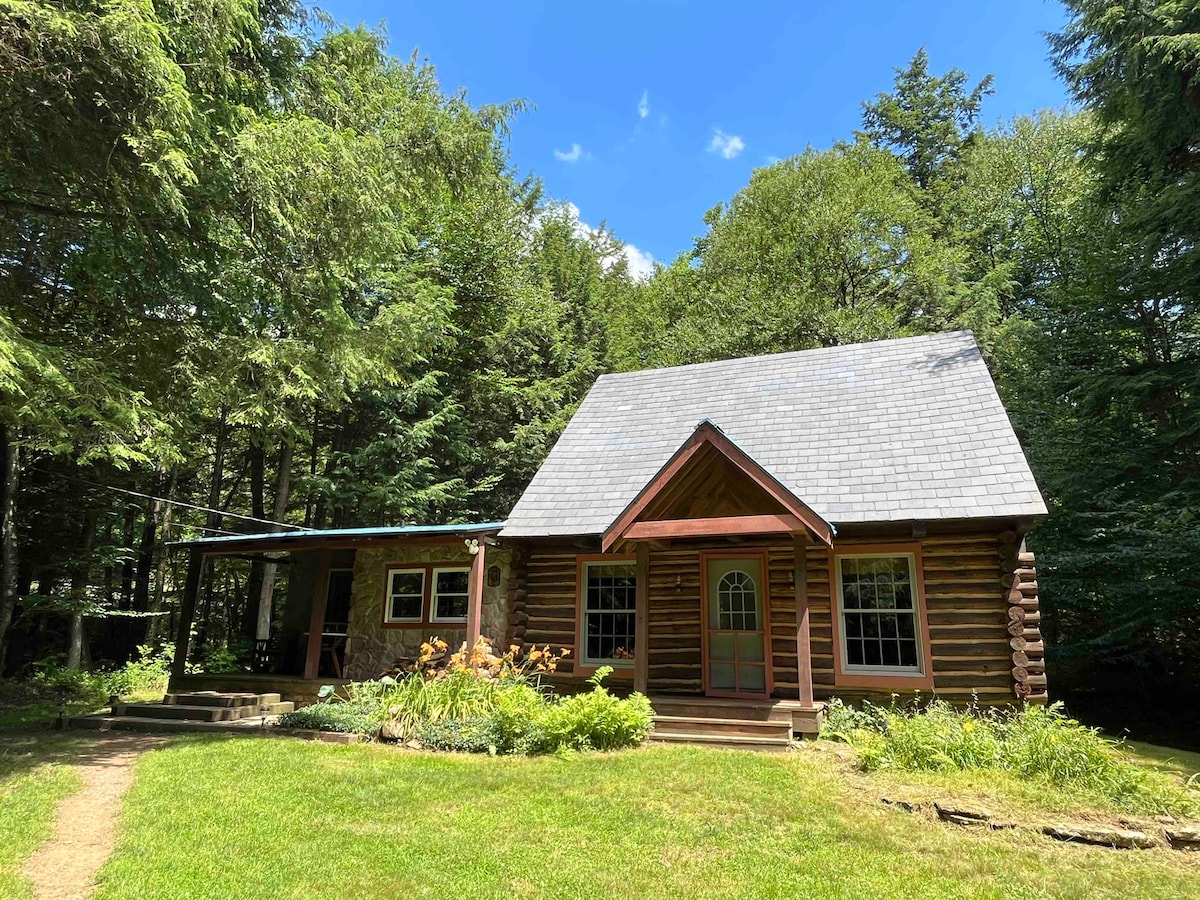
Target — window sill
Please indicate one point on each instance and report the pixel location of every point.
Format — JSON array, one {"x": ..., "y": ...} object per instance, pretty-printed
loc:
[{"x": 884, "y": 681}]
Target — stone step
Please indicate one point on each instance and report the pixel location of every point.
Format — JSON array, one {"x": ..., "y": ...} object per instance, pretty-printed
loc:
[
  {"x": 731, "y": 741},
  {"x": 218, "y": 698},
  {"x": 199, "y": 713},
  {"x": 713, "y": 727}
]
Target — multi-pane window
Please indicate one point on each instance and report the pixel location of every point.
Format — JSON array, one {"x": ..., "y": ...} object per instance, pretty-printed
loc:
[
  {"x": 450, "y": 595},
  {"x": 609, "y": 604},
  {"x": 737, "y": 602},
  {"x": 879, "y": 613},
  {"x": 406, "y": 595}
]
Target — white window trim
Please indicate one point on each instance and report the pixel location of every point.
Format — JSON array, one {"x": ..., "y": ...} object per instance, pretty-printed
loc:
[
  {"x": 433, "y": 595},
  {"x": 387, "y": 612},
  {"x": 918, "y": 622},
  {"x": 586, "y": 660}
]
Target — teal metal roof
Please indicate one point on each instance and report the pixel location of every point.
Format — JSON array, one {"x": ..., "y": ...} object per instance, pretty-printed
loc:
[{"x": 285, "y": 539}]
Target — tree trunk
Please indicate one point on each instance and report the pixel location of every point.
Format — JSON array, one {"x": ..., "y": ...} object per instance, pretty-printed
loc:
[
  {"x": 213, "y": 521},
  {"x": 9, "y": 472},
  {"x": 145, "y": 563},
  {"x": 257, "y": 458},
  {"x": 79, "y": 584},
  {"x": 267, "y": 591},
  {"x": 159, "y": 628}
]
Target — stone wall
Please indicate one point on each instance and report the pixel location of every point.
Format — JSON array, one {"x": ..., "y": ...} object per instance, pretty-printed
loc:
[{"x": 371, "y": 648}]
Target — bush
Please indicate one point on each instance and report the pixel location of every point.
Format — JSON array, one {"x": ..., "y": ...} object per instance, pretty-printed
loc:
[
  {"x": 344, "y": 717},
  {"x": 1035, "y": 742},
  {"x": 481, "y": 735},
  {"x": 595, "y": 720},
  {"x": 148, "y": 673}
]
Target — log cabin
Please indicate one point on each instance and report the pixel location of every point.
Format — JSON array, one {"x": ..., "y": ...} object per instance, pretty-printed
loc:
[{"x": 741, "y": 540}]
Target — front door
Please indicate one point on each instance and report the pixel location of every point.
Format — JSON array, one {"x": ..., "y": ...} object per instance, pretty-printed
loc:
[{"x": 735, "y": 617}]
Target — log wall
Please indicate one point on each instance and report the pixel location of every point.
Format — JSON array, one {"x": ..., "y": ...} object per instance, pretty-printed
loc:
[{"x": 978, "y": 589}]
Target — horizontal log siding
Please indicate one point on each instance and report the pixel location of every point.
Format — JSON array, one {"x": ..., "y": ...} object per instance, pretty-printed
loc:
[{"x": 965, "y": 596}]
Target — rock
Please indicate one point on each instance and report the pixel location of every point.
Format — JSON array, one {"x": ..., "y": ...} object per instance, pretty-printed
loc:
[
  {"x": 390, "y": 731},
  {"x": 1184, "y": 838},
  {"x": 906, "y": 805},
  {"x": 1121, "y": 838},
  {"x": 967, "y": 814}
]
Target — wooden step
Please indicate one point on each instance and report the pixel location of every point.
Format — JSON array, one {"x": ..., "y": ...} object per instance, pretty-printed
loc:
[
  {"x": 718, "y": 726},
  {"x": 218, "y": 698},
  {"x": 246, "y": 725},
  {"x": 731, "y": 741},
  {"x": 198, "y": 713},
  {"x": 716, "y": 708}
]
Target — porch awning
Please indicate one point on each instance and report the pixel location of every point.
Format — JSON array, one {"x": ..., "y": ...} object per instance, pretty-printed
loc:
[{"x": 335, "y": 538}]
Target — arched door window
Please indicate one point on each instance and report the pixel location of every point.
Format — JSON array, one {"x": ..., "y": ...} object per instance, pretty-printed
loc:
[{"x": 737, "y": 602}]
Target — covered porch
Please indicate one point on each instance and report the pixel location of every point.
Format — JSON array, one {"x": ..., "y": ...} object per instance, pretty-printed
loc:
[{"x": 335, "y": 618}]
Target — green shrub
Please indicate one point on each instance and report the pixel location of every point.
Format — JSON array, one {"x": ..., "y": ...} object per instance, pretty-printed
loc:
[
  {"x": 481, "y": 735},
  {"x": 148, "y": 673},
  {"x": 843, "y": 719},
  {"x": 1036, "y": 742},
  {"x": 347, "y": 718},
  {"x": 594, "y": 720}
]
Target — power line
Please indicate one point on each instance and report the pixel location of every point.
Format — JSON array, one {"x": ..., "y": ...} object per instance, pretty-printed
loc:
[{"x": 139, "y": 494}]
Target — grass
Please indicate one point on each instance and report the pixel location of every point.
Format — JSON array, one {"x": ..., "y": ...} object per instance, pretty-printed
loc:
[
  {"x": 32, "y": 781},
  {"x": 207, "y": 818}
]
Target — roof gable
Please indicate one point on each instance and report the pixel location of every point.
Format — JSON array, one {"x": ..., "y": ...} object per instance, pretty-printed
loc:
[
  {"x": 898, "y": 430},
  {"x": 685, "y": 472}
]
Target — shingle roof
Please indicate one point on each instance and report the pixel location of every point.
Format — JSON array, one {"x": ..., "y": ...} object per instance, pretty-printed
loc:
[{"x": 906, "y": 429}]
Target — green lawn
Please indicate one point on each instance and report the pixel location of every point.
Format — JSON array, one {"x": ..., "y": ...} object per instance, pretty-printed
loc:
[
  {"x": 34, "y": 776},
  {"x": 271, "y": 817}
]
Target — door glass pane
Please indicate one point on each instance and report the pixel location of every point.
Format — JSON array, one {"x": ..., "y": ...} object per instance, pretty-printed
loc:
[
  {"x": 721, "y": 677},
  {"x": 750, "y": 647},
  {"x": 752, "y": 678},
  {"x": 720, "y": 645}
]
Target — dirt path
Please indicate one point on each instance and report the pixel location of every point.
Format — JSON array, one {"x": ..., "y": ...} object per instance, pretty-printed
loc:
[{"x": 85, "y": 827}]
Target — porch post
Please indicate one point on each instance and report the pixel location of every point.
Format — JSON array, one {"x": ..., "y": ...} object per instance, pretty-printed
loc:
[
  {"x": 316, "y": 621},
  {"x": 475, "y": 596},
  {"x": 641, "y": 621},
  {"x": 803, "y": 643},
  {"x": 187, "y": 612}
]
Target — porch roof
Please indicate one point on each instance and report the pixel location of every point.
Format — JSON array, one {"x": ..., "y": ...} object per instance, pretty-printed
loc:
[{"x": 313, "y": 539}]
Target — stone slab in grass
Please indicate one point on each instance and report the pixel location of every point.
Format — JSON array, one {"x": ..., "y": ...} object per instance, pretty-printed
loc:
[{"x": 1120, "y": 838}]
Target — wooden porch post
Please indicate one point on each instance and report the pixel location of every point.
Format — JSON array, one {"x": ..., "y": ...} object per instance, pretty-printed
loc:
[
  {"x": 187, "y": 612},
  {"x": 641, "y": 620},
  {"x": 475, "y": 597},
  {"x": 803, "y": 642},
  {"x": 316, "y": 621}
]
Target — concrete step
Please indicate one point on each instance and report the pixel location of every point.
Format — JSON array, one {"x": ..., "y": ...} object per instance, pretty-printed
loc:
[
  {"x": 731, "y": 741},
  {"x": 217, "y": 698},
  {"x": 198, "y": 713},
  {"x": 246, "y": 725},
  {"x": 713, "y": 727}
]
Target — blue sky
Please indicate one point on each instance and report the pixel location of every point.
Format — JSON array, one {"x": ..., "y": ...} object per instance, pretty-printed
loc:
[{"x": 647, "y": 114}]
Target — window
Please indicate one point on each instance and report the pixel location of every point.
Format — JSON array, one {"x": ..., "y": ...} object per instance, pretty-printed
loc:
[
  {"x": 737, "y": 604},
  {"x": 450, "y": 595},
  {"x": 609, "y": 619},
  {"x": 406, "y": 595},
  {"x": 879, "y": 618}
]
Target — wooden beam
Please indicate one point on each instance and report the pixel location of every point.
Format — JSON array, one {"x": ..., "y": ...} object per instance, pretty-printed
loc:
[
  {"x": 641, "y": 642},
  {"x": 719, "y": 526},
  {"x": 187, "y": 612},
  {"x": 475, "y": 597},
  {"x": 803, "y": 635},
  {"x": 316, "y": 620}
]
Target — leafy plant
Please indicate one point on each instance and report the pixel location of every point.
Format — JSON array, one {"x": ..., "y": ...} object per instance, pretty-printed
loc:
[
  {"x": 481, "y": 735},
  {"x": 149, "y": 672},
  {"x": 1036, "y": 742},
  {"x": 347, "y": 718}
]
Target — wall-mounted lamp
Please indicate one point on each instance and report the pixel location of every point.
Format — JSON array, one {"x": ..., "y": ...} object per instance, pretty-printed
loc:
[
  {"x": 678, "y": 583},
  {"x": 472, "y": 545},
  {"x": 791, "y": 578},
  {"x": 493, "y": 578}
]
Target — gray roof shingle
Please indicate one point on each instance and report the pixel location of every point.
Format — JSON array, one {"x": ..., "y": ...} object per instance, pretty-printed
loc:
[{"x": 887, "y": 431}]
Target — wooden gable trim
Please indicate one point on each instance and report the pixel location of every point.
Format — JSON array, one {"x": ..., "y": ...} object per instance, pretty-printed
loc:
[
  {"x": 708, "y": 434},
  {"x": 713, "y": 527}
]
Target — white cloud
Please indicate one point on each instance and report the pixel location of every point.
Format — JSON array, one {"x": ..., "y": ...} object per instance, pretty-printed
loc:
[
  {"x": 574, "y": 155},
  {"x": 644, "y": 105},
  {"x": 728, "y": 145},
  {"x": 640, "y": 263}
]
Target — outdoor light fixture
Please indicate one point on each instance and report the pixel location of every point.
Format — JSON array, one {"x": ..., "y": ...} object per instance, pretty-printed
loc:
[{"x": 493, "y": 578}]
